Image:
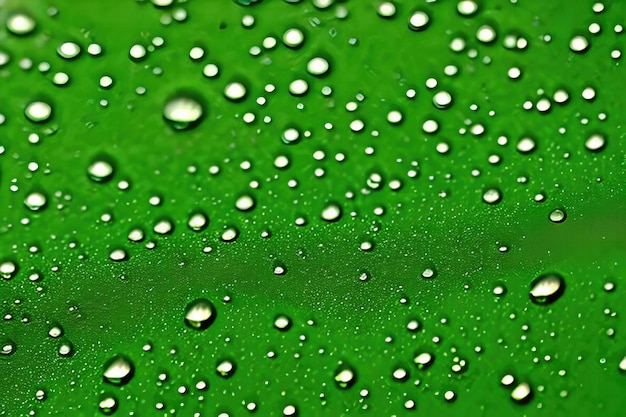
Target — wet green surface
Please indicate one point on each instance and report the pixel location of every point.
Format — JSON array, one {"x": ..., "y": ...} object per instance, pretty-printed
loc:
[{"x": 417, "y": 197}]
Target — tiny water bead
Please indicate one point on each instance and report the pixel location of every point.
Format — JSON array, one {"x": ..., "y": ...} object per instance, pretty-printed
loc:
[
  {"x": 345, "y": 377},
  {"x": 547, "y": 288},
  {"x": 200, "y": 314},
  {"x": 183, "y": 112},
  {"x": 21, "y": 24},
  {"x": 38, "y": 111},
  {"x": 118, "y": 370},
  {"x": 557, "y": 216}
]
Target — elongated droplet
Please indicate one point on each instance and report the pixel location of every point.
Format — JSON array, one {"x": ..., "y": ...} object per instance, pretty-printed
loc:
[{"x": 547, "y": 288}]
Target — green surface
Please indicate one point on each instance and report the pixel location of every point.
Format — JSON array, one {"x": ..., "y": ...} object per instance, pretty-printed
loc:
[{"x": 568, "y": 351}]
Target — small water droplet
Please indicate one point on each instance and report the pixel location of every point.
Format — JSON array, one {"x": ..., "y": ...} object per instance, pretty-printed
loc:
[
  {"x": 423, "y": 360},
  {"x": 108, "y": 404},
  {"x": 8, "y": 269},
  {"x": 35, "y": 201},
  {"x": 200, "y": 314},
  {"x": 331, "y": 213},
  {"x": 198, "y": 221},
  {"x": 225, "y": 368},
  {"x": 595, "y": 143},
  {"x": 118, "y": 370},
  {"x": 522, "y": 393},
  {"x": 492, "y": 196},
  {"x": 547, "y": 288},
  {"x": 38, "y": 111},
  {"x": 557, "y": 216},
  {"x": 235, "y": 91},
  {"x": 282, "y": 322},
  {"x": 419, "y": 20}
]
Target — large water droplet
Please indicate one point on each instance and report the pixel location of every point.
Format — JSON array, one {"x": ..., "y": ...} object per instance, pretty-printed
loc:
[
  {"x": 35, "y": 201},
  {"x": 345, "y": 376},
  {"x": 423, "y": 359},
  {"x": 20, "y": 24},
  {"x": 522, "y": 393},
  {"x": 38, "y": 111},
  {"x": 118, "y": 370},
  {"x": 225, "y": 368},
  {"x": 183, "y": 112},
  {"x": 200, "y": 314},
  {"x": 547, "y": 288},
  {"x": 101, "y": 169},
  {"x": 8, "y": 269}
]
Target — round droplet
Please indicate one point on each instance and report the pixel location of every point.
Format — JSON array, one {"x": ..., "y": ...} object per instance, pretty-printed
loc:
[
  {"x": 118, "y": 370},
  {"x": 293, "y": 38},
  {"x": 163, "y": 227},
  {"x": 200, "y": 314},
  {"x": 137, "y": 52},
  {"x": 318, "y": 66},
  {"x": 235, "y": 91},
  {"x": 526, "y": 145},
  {"x": 198, "y": 221},
  {"x": 55, "y": 331},
  {"x": 8, "y": 269},
  {"x": 7, "y": 347},
  {"x": 442, "y": 100},
  {"x": 183, "y": 112},
  {"x": 429, "y": 273},
  {"x": 467, "y": 7},
  {"x": 423, "y": 360},
  {"x": 557, "y": 216},
  {"x": 225, "y": 368},
  {"x": 331, "y": 213},
  {"x": 386, "y": 9},
  {"x": 578, "y": 44},
  {"x": 245, "y": 203},
  {"x": 622, "y": 364},
  {"x": 486, "y": 34},
  {"x": 419, "y": 20},
  {"x": 68, "y": 50},
  {"x": 507, "y": 380},
  {"x": 345, "y": 377},
  {"x": 100, "y": 170},
  {"x": 547, "y": 288},
  {"x": 298, "y": 87},
  {"x": 282, "y": 322},
  {"x": 108, "y": 404},
  {"x": 66, "y": 348},
  {"x": 38, "y": 111},
  {"x": 291, "y": 135},
  {"x": 20, "y": 24},
  {"x": 522, "y": 393},
  {"x": 492, "y": 196},
  {"x": 595, "y": 142},
  {"x": 230, "y": 234},
  {"x": 35, "y": 201},
  {"x": 118, "y": 255}
]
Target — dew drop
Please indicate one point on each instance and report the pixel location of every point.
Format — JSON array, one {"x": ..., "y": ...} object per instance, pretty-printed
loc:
[
  {"x": 198, "y": 221},
  {"x": 118, "y": 370},
  {"x": 557, "y": 216},
  {"x": 235, "y": 91},
  {"x": 68, "y": 50},
  {"x": 467, "y": 7},
  {"x": 486, "y": 34},
  {"x": 622, "y": 364},
  {"x": 423, "y": 360},
  {"x": 7, "y": 347},
  {"x": 230, "y": 234},
  {"x": 137, "y": 52},
  {"x": 547, "y": 288},
  {"x": 35, "y": 201},
  {"x": 522, "y": 393},
  {"x": 38, "y": 111},
  {"x": 386, "y": 9},
  {"x": 293, "y": 38},
  {"x": 282, "y": 322},
  {"x": 100, "y": 170},
  {"x": 225, "y": 368},
  {"x": 595, "y": 143},
  {"x": 108, "y": 404},
  {"x": 442, "y": 100},
  {"x": 20, "y": 24},
  {"x": 318, "y": 66},
  {"x": 578, "y": 44},
  {"x": 183, "y": 112},
  {"x": 8, "y": 269},
  {"x": 331, "y": 213},
  {"x": 118, "y": 255},
  {"x": 526, "y": 145},
  {"x": 298, "y": 87},
  {"x": 200, "y": 314},
  {"x": 345, "y": 377},
  {"x": 419, "y": 20},
  {"x": 492, "y": 196}
]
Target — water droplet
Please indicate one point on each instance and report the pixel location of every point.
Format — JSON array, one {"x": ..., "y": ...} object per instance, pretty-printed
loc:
[
  {"x": 293, "y": 38},
  {"x": 298, "y": 87},
  {"x": 595, "y": 142},
  {"x": 163, "y": 227},
  {"x": 429, "y": 273},
  {"x": 118, "y": 370},
  {"x": 522, "y": 393},
  {"x": 235, "y": 91},
  {"x": 507, "y": 380},
  {"x": 108, "y": 404},
  {"x": 55, "y": 331},
  {"x": 20, "y": 24},
  {"x": 449, "y": 396},
  {"x": 137, "y": 52},
  {"x": 7, "y": 347},
  {"x": 101, "y": 169},
  {"x": 547, "y": 288},
  {"x": 413, "y": 325},
  {"x": 526, "y": 145},
  {"x": 68, "y": 50},
  {"x": 622, "y": 364},
  {"x": 423, "y": 360},
  {"x": 118, "y": 255},
  {"x": 183, "y": 112},
  {"x": 35, "y": 201},
  {"x": 419, "y": 20},
  {"x": 557, "y": 216},
  {"x": 442, "y": 100},
  {"x": 492, "y": 196},
  {"x": 282, "y": 322},
  {"x": 486, "y": 34},
  {"x": 467, "y": 7},
  {"x": 200, "y": 314},
  {"x": 386, "y": 9},
  {"x": 345, "y": 376},
  {"x": 499, "y": 290},
  {"x": 331, "y": 213},
  {"x": 38, "y": 111},
  {"x": 198, "y": 221},
  {"x": 8, "y": 269},
  {"x": 578, "y": 44},
  {"x": 226, "y": 368},
  {"x": 318, "y": 66},
  {"x": 230, "y": 234},
  {"x": 290, "y": 411},
  {"x": 66, "y": 348},
  {"x": 245, "y": 203}
]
